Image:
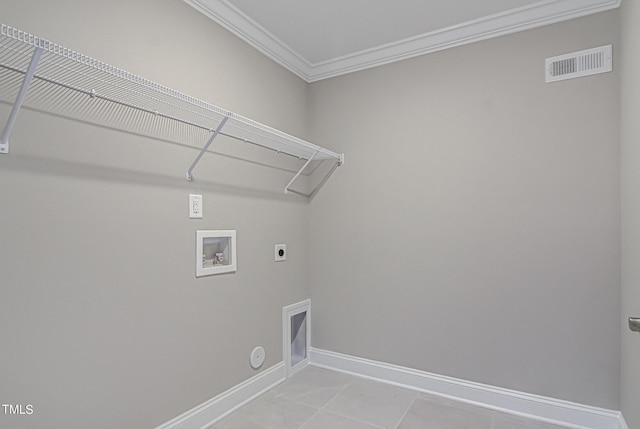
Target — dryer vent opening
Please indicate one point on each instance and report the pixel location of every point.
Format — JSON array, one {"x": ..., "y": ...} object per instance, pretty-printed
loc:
[{"x": 296, "y": 336}]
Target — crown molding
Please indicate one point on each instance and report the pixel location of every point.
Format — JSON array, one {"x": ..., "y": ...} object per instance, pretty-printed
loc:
[
  {"x": 524, "y": 18},
  {"x": 234, "y": 20}
]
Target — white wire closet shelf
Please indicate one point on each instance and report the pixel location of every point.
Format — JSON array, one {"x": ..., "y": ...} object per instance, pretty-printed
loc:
[{"x": 56, "y": 79}]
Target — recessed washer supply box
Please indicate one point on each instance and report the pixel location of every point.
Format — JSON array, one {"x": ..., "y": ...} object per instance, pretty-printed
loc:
[{"x": 215, "y": 252}]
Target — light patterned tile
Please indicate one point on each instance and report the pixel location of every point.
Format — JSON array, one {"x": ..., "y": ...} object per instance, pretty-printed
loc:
[
  {"x": 315, "y": 398},
  {"x": 435, "y": 415},
  {"x": 326, "y": 420},
  {"x": 312, "y": 386},
  {"x": 267, "y": 414},
  {"x": 507, "y": 421},
  {"x": 461, "y": 405},
  {"x": 375, "y": 403}
]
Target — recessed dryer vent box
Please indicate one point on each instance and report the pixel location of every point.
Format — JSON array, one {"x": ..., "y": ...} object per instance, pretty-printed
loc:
[
  {"x": 296, "y": 330},
  {"x": 215, "y": 252}
]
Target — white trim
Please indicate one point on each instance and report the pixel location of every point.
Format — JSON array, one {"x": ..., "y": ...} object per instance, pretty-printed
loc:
[
  {"x": 623, "y": 422},
  {"x": 524, "y": 18},
  {"x": 207, "y": 413},
  {"x": 287, "y": 313},
  {"x": 534, "y": 406},
  {"x": 227, "y": 236},
  {"x": 234, "y": 20}
]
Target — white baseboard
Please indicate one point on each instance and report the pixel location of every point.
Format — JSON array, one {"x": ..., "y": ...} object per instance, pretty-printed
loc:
[
  {"x": 525, "y": 404},
  {"x": 623, "y": 422},
  {"x": 207, "y": 413},
  {"x": 538, "y": 407}
]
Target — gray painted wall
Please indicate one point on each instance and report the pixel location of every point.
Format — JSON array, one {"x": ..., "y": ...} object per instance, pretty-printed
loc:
[
  {"x": 474, "y": 231},
  {"x": 630, "y": 148},
  {"x": 475, "y": 228},
  {"x": 102, "y": 321}
]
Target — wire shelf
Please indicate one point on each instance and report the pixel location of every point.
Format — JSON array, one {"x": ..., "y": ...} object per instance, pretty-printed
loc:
[{"x": 71, "y": 83}]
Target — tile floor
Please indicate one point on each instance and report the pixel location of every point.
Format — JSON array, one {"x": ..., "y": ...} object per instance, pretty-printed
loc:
[{"x": 316, "y": 398}]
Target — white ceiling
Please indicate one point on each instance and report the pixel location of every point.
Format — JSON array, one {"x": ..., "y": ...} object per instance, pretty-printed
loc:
[{"x": 321, "y": 39}]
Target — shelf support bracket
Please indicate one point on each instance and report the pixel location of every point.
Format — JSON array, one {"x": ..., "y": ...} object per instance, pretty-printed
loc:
[
  {"x": 206, "y": 147},
  {"x": 4, "y": 139},
  {"x": 320, "y": 185},
  {"x": 287, "y": 188}
]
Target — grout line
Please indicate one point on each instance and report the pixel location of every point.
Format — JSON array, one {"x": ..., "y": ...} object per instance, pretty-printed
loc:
[
  {"x": 413, "y": 401},
  {"x": 335, "y": 396},
  {"x": 323, "y": 408},
  {"x": 349, "y": 384},
  {"x": 309, "y": 419},
  {"x": 354, "y": 419}
]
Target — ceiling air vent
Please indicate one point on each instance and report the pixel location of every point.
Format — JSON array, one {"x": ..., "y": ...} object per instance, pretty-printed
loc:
[{"x": 578, "y": 64}]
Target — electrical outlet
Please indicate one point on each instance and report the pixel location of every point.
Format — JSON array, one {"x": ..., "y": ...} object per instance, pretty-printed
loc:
[
  {"x": 195, "y": 206},
  {"x": 281, "y": 252}
]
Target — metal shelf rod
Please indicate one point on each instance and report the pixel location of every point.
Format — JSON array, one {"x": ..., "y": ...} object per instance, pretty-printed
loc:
[
  {"x": 33, "y": 64},
  {"x": 286, "y": 188},
  {"x": 206, "y": 146}
]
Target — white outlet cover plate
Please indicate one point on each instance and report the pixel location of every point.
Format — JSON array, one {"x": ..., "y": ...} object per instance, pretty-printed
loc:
[
  {"x": 257, "y": 357},
  {"x": 278, "y": 248},
  {"x": 195, "y": 206}
]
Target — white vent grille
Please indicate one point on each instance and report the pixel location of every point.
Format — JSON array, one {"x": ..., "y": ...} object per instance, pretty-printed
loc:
[{"x": 578, "y": 64}]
